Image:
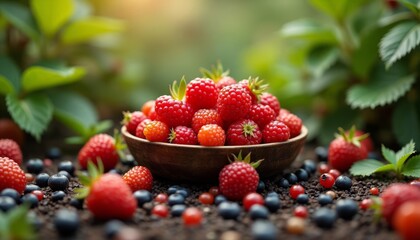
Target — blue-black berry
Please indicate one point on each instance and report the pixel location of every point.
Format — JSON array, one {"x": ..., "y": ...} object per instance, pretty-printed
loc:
[
  {"x": 258, "y": 212},
  {"x": 58, "y": 195},
  {"x": 273, "y": 203},
  {"x": 66, "y": 222},
  {"x": 291, "y": 178},
  {"x": 42, "y": 180},
  {"x": 30, "y": 188},
  {"x": 302, "y": 175},
  {"x": 34, "y": 166},
  {"x": 264, "y": 230},
  {"x": 30, "y": 199},
  {"x": 10, "y": 192},
  {"x": 177, "y": 210},
  {"x": 77, "y": 203},
  {"x": 260, "y": 187},
  {"x": 343, "y": 183},
  {"x": 321, "y": 153},
  {"x": 53, "y": 153},
  {"x": 58, "y": 182},
  {"x": 284, "y": 183},
  {"x": 324, "y": 199},
  {"x": 142, "y": 197},
  {"x": 302, "y": 198},
  {"x": 7, "y": 203},
  {"x": 112, "y": 228},
  {"x": 324, "y": 217},
  {"x": 67, "y": 166},
  {"x": 219, "y": 199},
  {"x": 229, "y": 210},
  {"x": 309, "y": 166},
  {"x": 346, "y": 209},
  {"x": 175, "y": 198}
]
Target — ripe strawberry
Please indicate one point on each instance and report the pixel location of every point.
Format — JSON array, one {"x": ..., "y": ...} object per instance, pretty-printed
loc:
[
  {"x": 183, "y": 135},
  {"x": 101, "y": 147},
  {"x": 406, "y": 220},
  {"x": 140, "y": 128},
  {"x": 131, "y": 120},
  {"x": 211, "y": 135},
  {"x": 270, "y": 100},
  {"x": 233, "y": 103},
  {"x": 107, "y": 196},
  {"x": 10, "y": 130},
  {"x": 243, "y": 132},
  {"x": 147, "y": 107},
  {"x": 367, "y": 142},
  {"x": 11, "y": 175},
  {"x": 205, "y": 116},
  {"x": 219, "y": 76},
  {"x": 10, "y": 149},
  {"x": 172, "y": 110},
  {"x": 239, "y": 178},
  {"x": 345, "y": 150},
  {"x": 139, "y": 178},
  {"x": 156, "y": 131},
  {"x": 276, "y": 131},
  {"x": 394, "y": 196},
  {"x": 201, "y": 93},
  {"x": 293, "y": 122},
  {"x": 261, "y": 114}
]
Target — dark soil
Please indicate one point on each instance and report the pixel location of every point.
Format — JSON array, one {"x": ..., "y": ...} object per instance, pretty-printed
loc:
[{"x": 214, "y": 227}]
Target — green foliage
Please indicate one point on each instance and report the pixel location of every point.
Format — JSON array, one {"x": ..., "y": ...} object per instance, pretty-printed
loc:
[
  {"x": 406, "y": 121},
  {"x": 338, "y": 9},
  {"x": 15, "y": 224},
  {"x": 401, "y": 163},
  {"x": 20, "y": 17}
]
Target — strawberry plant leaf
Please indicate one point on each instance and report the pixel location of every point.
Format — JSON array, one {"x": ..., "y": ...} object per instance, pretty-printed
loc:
[
  {"x": 398, "y": 42},
  {"x": 412, "y": 168},
  {"x": 338, "y": 9},
  {"x": 413, "y": 5},
  {"x": 403, "y": 154},
  {"x": 52, "y": 14},
  {"x": 86, "y": 29},
  {"x": 9, "y": 76},
  {"x": 321, "y": 58},
  {"x": 37, "y": 77},
  {"x": 309, "y": 30},
  {"x": 406, "y": 114},
  {"x": 389, "y": 155},
  {"x": 6, "y": 86},
  {"x": 386, "y": 168},
  {"x": 32, "y": 113},
  {"x": 21, "y": 18},
  {"x": 365, "y": 167}
]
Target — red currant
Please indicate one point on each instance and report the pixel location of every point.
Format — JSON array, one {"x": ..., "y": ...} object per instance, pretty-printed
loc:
[
  {"x": 192, "y": 216},
  {"x": 160, "y": 210},
  {"x": 323, "y": 168},
  {"x": 206, "y": 198},
  {"x": 365, "y": 204},
  {"x": 326, "y": 180},
  {"x": 161, "y": 198},
  {"x": 39, "y": 194},
  {"x": 300, "y": 211},
  {"x": 374, "y": 191},
  {"x": 252, "y": 199},
  {"x": 335, "y": 173},
  {"x": 214, "y": 191},
  {"x": 295, "y": 190}
]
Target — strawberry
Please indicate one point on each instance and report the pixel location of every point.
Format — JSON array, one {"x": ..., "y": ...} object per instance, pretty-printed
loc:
[
  {"x": 219, "y": 76},
  {"x": 156, "y": 131},
  {"x": 183, "y": 135},
  {"x": 147, "y": 107},
  {"x": 140, "y": 128},
  {"x": 101, "y": 147},
  {"x": 261, "y": 114},
  {"x": 131, "y": 120},
  {"x": 10, "y": 130},
  {"x": 11, "y": 175},
  {"x": 293, "y": 122},
  {"x": 406, "y": 220},
  {"x": 394, "y": 196},
  {"x": 276, "y": 131},
  {"x": 345, "y": 150},
  {"x": 239, "y": 178},
  {"x": 367, "y": 142},
  {"x": 106, "y": 196},
  {"x": 139, "y": 178},
  {"x": 211, "y": 135},
  {"x": 233, "y": 103},
  {"x": 205, "y": 116},
  {"x": 172, "y": 110},
  {"x": 201, "y": 93},
  {"x": 270, "y": 100},
  {"x": 243, "y": 132},
  {"x": 10, "y": 149}
]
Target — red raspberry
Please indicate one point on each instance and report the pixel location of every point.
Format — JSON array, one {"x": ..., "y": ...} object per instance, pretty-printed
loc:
[
  {"x": 11, "y": 175},
  {"x": 147, "y": 107},
  {"x": 272, "y": 101},
  {"x": 275, "y": 131},
  {"x": 219, "y": 76},
  {"x": 140, "y": 128},
  {"x": 183, "y": 135},
  {"x": 100, "y": 147},
  {"x": 394, "y": 196},
  {"x": 283, "y": 112},
  {"x": 10, "y": 149},
  {"x": 233, "y": 103},
  {"x": 173, "y": 112},
  {"x": 139, "y": 178},
  {"x": 201, "y": 93},
  {"x": 225, "y": 81},
  {"x": 156, "y": 131},
  {"x": 293, "y": 122},
  {"x": 211, "y": 135},
  {"x": 243, "y": 132},
  {"x": 261, "y": 114},
  {"x": 205, "y": 116},
  {"x": 131, "y": 120}
]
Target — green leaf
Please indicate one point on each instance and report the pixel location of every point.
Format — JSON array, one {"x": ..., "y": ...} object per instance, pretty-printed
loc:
[
  {"x": 87, "y": 29},
  {"x": 36, "y": 77},
  {"x": 399, "y": 42},
  {"x": 10, "y": 73},
  {"x": 33, "y": 113},
  {"x": 386, "y": 168},
  {"x": 20, "y": 17},
  {"x": 6, "y": 86},
  {"x": 308, "y": 30},
  {"x": 406, "y": 114},
  {"x": 328, "y": 79},
  {"x": 52, "y": 14},
  {"x": 321, "y": 58},
  {"x": 340, "y": 9},
  {"x": 404, "y": 153},
  {"x": 413, "y": 5},
  {"x": 389, "y": 155},
  {"x": 383, "y": 88},
  {"x": 365, "y": 167},
  {"x": 19, "y": 225},
  {"x": 412, "y": 168}
]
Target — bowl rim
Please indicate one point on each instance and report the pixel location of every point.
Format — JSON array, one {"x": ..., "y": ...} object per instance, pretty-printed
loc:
[{"x": 303, "y": 134}]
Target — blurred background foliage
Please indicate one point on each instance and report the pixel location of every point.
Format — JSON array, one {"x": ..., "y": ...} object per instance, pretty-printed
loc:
[{"x": 311, "y": 52}]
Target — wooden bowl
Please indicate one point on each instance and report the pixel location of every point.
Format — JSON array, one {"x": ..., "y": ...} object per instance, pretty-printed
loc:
[{"x": 193, "y": 163}]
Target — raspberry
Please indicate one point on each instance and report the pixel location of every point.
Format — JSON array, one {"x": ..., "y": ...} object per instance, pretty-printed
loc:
[
  {"x": 261, "y": 114},
  {"x": 156, "y": 131},
  {"x": 243, "y": 132},
  {"x": 205, "y": 116},
  {"x": 173, "y": 112},
  {"x": 272, "y": 101},
  {"x": 211, "y": 135},
  {"x": 139, "y": 178},
  {"x": 147, "y": 107},
  {"x": 233, "y": 103},
  {"x": 183, "y": 135},
  {"x": 131, "y": 120},
  {"x": 225, "y": 81},
  {"x": 201, "y": 93},
  {"x": 293, "y": 122},
  {"x": 394, "y": 196},
  {"x": 140, "y": 128},
  {"x": 276, "y": 131},
  {"x": 10, "y": 149},
  {"x": 11, "y": 175}
]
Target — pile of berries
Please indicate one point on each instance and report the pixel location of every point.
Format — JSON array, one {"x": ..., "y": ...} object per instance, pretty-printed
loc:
[{"x": 209, "y": 113}]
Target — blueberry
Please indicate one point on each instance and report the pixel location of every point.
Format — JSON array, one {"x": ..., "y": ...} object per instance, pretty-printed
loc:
[
  {"x": 6, "y": 203},
  {"x": 67, "y": 166},
  {"x": 142, "y": 197},
  {"x": 65, "y": 173},
  {"x": 321, "y": 153},
  {"x": 272, "y": 194},
  {"x": 176, "y": 198},
  {"x": 343, "y": 182},
  {"x": 42, "y": 179},
  {"x": 229, "y": 210},
  {"x": 273, "y": 203},
  {"x": 302, "y": 198},
  {"x": 258, "y": 212},
  {"x": 53, "y": 153},
  {"x": 302, "y": 175},
  {"x": 284, "y": 183},
  {"x": 77, "y": 203},
  {"x": 30, "y": 188},
  {"x": 58, "y": 195},
  {"x": 177, "y": 210},
  {"x": 219, "y": 199},
  {"x": 260, "y": 187},
  {"x": 183, "y": 191},
  {"x": 264, "y": 230},
  {"x": 324, "y": 199},
  {"x": 291, "y": 178},
  {"x": 10, "y": 192},
  {"x": 173, "y": 189},
  {"x": 66, "y": 222},
  {"x": 58, "y": 182},
  {"x": 112, "y": 228},
  {"x": 346, "y": 209},
  {"x": 35, "y": 166},
  {"x": 324, "y": 217},
  {"x": 309, "y": 166},
  {"x": 30, "y": 199}
]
